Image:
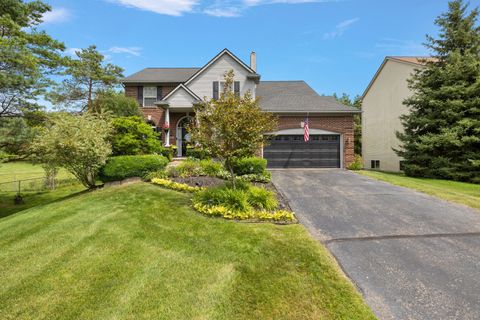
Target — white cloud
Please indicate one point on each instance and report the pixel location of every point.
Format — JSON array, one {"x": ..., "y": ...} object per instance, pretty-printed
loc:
[
  {"x": 56, "y": 15},
  {"x": 131, "y": 51},
  {"x": 72, "y": 51},
  {"x": 228, "y": 12},
  {"x": 167, "y": 7},
  {"x": 340, "y": 29},
  {"x": 401, "y": 47},
  {"x": 252, "y": 3}
]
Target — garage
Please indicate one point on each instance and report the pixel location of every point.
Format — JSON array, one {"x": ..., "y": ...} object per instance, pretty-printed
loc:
[{"x": 291, "y": 151}]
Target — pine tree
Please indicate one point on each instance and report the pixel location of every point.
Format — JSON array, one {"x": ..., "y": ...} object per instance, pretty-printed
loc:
[{"x": 441, "y": 137}]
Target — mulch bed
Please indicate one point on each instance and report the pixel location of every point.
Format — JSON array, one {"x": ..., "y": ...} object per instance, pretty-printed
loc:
[{"x": 215, "y": 182}]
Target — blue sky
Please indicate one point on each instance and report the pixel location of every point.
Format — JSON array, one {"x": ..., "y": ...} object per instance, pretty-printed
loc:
[{"x": 336, "y": 46}]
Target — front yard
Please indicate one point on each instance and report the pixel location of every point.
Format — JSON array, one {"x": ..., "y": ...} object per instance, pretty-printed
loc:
[
  {"x": 459, "y": 192},
  {"x": 140, "y": 251}
]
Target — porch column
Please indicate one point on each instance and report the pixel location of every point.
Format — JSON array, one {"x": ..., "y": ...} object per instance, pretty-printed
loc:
[{"x": 167, "y": 121}]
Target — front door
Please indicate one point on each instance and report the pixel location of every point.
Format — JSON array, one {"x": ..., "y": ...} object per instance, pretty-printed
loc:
[{"x": 183, "y": 137}]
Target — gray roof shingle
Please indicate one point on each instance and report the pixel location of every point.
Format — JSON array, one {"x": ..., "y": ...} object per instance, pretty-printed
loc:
[
  {"x": 297, "y": 96},
  {"x": 159, "y": 75}
]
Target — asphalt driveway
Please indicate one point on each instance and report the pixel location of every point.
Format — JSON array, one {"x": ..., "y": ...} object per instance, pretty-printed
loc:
[{"x": 411, "y": 255}]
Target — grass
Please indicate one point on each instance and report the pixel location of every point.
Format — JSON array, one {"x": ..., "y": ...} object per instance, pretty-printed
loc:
[
  {"x": 459, "y": 192},
  {"x": 141, "y": 252},
  {"x": 21, "y": 170}
]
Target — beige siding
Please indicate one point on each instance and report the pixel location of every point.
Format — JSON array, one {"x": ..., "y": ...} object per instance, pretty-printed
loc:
[
  {"x": 202, "y": 85},
  {"x": 180, "y": 99},
  {"x": 382, "y": 106}
]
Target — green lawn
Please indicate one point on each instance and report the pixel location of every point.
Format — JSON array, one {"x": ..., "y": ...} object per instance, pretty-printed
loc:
[
  {"x": 460, "y": 192},
  {"x": 12, "y": 171},
  {"x": 141, "y": 252}
]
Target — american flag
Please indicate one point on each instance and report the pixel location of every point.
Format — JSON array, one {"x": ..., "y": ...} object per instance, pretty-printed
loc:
[{"x": 306, "y": 133}]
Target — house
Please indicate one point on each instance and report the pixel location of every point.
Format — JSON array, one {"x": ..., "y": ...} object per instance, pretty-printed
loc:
[
  {"x": 167, "y": 97},
  {"x": 382, "y": 105}
]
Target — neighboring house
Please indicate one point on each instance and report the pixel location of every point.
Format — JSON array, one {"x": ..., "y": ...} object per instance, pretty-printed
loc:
[
  {"x": 167, "y": 97},
  {"x": 382, "y": 106}
]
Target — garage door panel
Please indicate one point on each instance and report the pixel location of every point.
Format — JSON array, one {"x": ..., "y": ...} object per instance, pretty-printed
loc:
[{"x": 322, "y": 151}]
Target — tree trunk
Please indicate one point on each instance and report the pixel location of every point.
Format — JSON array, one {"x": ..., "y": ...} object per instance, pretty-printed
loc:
[{"x": 89, "y": 101}]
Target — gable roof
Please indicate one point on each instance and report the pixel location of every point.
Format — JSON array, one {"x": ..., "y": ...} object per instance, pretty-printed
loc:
[
  {"x": 182, "y": 86},
  {"x": 159, "y": 75},
  {"x": 224, "y": 51},
  {"x": 297, "y": 97},
  {"x": 411, "y": 60}
]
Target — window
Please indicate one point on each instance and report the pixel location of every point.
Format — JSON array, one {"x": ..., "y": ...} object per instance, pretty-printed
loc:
[
  {"x": 149, "y": 96},
  {"x": 402, "y": 165},
  {"x": 219, "y": 87},
  {"x": 375, "y": 164}
]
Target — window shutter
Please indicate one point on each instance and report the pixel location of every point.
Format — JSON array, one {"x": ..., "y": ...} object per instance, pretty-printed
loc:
[
  {"x": 159, "y": 93},
  {"x": 140, "y": 95},
  {"x": 236, "y": 88},
  {"x": 215, "y": 90}
]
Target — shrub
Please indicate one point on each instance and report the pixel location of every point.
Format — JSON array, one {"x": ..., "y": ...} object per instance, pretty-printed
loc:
[
  {"x": 235, "y": 199},
  {"x": 261, "y": 198},
  {"x": 197, "y": 153},
  {"x": 357, "y": 163},
  {"x": 161, "y": 174},
  {"x": 121, "y": 167},
  {"x": 280, "y": 216},
  {"x": 133, "y": 136},
  {"x": 262, "y": 178},
  {"x": 189, "y": 168},
  {"x": 249, "y": 165},
  {"x": 166, "y": 152},
  {"x": 210, "y": 168},
  {"x": 175, "y": 185}
]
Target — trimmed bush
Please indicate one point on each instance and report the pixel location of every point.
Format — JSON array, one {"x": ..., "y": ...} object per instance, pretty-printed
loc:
[
  {"x": 166, "y": 152},
  {"x": 121, "y": 167},
  {"x": 250, "y": 165},
  {"x": 357, "y": 163}
]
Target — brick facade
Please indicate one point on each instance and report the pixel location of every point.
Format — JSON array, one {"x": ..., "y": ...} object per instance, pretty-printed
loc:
[
  {"x": 342, "y": 124},
  {"x": 338, "y": 124}
]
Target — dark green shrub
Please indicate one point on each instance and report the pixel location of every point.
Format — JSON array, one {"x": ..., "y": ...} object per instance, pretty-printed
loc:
[
  {"x": 250, "y": 165},
  {"x": 197, "y": 153},
  {"x": 133, "y": 136},
  {"x": 166, "y": 152},
  {"x": 121, "y": 167}
]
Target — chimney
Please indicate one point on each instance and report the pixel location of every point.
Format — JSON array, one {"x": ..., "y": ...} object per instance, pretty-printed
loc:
[{"x": 253, "y": 61}]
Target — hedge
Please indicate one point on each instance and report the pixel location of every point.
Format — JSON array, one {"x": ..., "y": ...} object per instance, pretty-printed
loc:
[{"x": 121, "y": 167}]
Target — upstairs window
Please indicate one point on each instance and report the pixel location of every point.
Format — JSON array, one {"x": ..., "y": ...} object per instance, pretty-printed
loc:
[
  {"x": 149, "y": 96},
  {"x": 219, "y": 87}
]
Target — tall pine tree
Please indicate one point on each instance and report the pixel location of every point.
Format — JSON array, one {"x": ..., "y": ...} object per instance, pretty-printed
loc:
[{"x": 441, "y": 137}]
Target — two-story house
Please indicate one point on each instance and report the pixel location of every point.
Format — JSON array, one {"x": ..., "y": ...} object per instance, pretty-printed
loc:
[
  {"x": 382, "y": 105},
  {"x": 167, "y": 97}
]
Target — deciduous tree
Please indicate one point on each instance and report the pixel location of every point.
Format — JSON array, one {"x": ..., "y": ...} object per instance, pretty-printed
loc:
[{"x": 231, "y": 127}]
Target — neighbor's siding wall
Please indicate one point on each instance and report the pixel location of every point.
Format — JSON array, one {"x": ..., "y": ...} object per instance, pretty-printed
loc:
[
  {"x": 203, "y": 84},
  {"x": 342, "y": 124},
  {"x": 382, "y": 107}
]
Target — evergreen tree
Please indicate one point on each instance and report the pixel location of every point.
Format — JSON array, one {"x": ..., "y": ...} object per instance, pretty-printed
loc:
[{"x": 441, "y": 137}]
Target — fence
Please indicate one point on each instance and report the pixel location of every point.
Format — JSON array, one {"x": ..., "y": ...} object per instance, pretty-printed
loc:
[{"x": 33, "y": 185}]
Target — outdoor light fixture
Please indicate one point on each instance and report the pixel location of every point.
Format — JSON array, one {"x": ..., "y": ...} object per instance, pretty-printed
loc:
[{"x": 302, "y": 124}]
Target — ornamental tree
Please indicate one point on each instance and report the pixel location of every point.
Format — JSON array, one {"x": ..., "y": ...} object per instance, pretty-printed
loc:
[
  {"x": 441, "y": 137},
  {"x": 231, "y": 127},
  {"x": 78, "y": 143}
]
